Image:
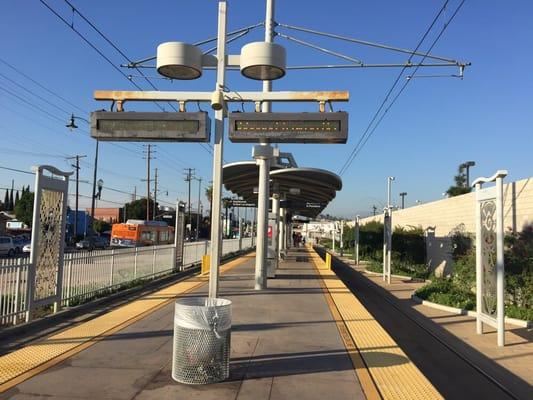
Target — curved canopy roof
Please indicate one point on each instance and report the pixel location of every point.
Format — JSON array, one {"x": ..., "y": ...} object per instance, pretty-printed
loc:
[{"x": 317, "y": 187}]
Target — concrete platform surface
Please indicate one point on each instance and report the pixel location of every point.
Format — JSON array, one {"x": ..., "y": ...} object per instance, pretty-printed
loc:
[{"x": 285, "y": 345}]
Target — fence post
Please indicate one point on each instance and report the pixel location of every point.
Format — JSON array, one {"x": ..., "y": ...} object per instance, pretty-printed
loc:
[
  {"x": 112, "y": 269},
  {"x": 17, "y": 283},
  {"x": 135, "y": 264},
  {"x": 69, "y": 280}
]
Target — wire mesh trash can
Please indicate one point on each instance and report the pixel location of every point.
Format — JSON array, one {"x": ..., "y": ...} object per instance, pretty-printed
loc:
[{"x": 202, "y": 337}]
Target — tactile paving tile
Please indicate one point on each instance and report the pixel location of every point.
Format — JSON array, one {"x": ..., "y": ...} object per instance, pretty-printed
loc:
[
  {"x": 395, "y": 375},
  {"x": 33, "y": 359}
]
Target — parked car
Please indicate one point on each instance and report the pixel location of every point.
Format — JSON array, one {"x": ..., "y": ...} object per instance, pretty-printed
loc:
[
  {"x": 92, "y": 242},
  {"x": 20, "y": 242},
  {"x": 27, "y": 248},
  {"x": 7, "y": 246}
]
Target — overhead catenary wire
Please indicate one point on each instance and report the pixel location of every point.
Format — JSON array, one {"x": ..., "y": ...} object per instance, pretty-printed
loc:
[
  {"x": 114, "y": 46},
  {"x": 364, "y": 42},
  {"x": 403, "y": 87},
  {"x": 366, "y": 134},
  {"x": 319, "y": 48}
]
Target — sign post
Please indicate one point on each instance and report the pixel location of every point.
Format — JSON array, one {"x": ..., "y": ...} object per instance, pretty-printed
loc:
[
  {"x": 387, "y": 243},
  {"x": 356, "y": 240},
  {"x": 490, "y": 268}
]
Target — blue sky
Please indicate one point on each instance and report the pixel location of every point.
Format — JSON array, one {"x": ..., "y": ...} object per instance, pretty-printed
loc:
[{"x": 435, "y": 125}]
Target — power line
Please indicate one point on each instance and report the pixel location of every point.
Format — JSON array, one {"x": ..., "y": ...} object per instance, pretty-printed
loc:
[
  {"x": 88, "y": 42},
  {"x": 355, "y": 150},
  {"x": 41, "y": 85},
  {"x": 31, "y": 104},
  {"x": 111, "y": 43},
  {"x": 17, "y": 170},
  {"x": 34, "y": 94},
  {"x": 403, "y": 87}
]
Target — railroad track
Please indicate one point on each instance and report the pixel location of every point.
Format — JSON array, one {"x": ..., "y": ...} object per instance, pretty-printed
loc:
[{"x": 458, "y": 372}]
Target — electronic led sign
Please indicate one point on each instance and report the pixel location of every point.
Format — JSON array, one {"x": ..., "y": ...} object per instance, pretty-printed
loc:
[
  {"x": 150, "y": 126},
  {"x": 319, "y": 127}
]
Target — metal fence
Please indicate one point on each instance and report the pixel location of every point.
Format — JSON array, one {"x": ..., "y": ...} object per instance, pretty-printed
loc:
[{"x": 97, "y": 273}]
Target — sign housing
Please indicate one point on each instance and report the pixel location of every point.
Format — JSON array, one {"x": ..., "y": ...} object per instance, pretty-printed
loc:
[
  {"x": 150, "y": 126},
  {"x": 304, "y": 127}
]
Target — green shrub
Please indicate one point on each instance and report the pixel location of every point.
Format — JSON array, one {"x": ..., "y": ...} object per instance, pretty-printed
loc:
[
  {"x": 519, "y": 312},
  {"x": 443, "y": 291}
]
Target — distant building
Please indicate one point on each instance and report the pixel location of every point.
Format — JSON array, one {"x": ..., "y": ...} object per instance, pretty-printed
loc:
[
  {"x": 84, "y": 223},
  {"x": 110, "y": 215}
]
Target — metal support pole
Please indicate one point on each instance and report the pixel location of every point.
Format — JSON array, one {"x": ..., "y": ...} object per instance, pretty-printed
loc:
[
  {"x": 389, "y": 183},
  {"x": 356, "y": 237},
  {"x": 198, "y": 213},
  {"x": 263, "y": 157},
  {"x": 342, "y": 239},
  {"x": 275, "y": 238},
  {"x": 240, "y": 234},
  {"x": 216, "y": 238},
  {"x": 479, "y": 265},
  {"x": 281, "y": 229},
  {"x": 500, "y": 267},
  {"x": 262, "y": 154},
  {"x": 94, "y": 184}
]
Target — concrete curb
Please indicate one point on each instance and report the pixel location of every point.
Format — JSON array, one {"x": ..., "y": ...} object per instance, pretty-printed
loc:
[{"x": 459, "y": 311}]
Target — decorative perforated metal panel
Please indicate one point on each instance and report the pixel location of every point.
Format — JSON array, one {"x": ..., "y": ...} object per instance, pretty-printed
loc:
[
  {"x": 488, "y": 256},
  {"x": 49, "y": 244}
]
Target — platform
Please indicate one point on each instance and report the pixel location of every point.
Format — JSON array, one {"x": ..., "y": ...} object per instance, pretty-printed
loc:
[{"x": 294, "y": 340}]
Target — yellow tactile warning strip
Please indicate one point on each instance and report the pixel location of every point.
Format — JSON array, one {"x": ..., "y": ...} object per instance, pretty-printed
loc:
[
  {"x": 22, "y": 364},
  {"x": 394, "y": 374}
]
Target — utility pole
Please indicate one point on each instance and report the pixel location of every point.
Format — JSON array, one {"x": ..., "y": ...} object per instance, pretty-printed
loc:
[
  {"x": 77, "y": 166},
  {"x": 148, "y": 157},
  {"x": 198, "y": 214},
  {"x": 402, "y": 195},
  {"x": 374, "y": 208},
  {"x": 189, "y": 173},
  {"x": 155, "y": 195}
]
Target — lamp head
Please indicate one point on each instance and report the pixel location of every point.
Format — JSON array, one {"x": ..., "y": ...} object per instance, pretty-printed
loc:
[
  {"x": 72, "y": 124},
  {"x": 177, "y": 60},
  {"x": 263, "y": 61}
]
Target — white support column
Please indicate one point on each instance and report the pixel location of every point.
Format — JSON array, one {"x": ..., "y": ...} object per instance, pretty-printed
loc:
[
  {"x": 282, "y": 244},
  {"x": 216, "y": 232},
  {"x": 275, "y": 238},
  {"x": 356, "y": 240},
  {"x": 479, "y": 264},
  {"x": 342, "y": 239},
  {"x": 262, "y": 154},
  {"x": 500, "y": 267}
]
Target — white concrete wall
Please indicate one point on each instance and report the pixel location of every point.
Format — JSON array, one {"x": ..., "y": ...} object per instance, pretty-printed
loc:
[{"x": 442, "y": 218}]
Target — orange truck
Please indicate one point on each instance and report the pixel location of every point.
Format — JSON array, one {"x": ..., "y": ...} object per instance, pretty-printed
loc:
[{"x": 136, "y": 233}]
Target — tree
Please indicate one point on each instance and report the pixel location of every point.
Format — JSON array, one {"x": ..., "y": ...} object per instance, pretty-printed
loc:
[
  {"x": 137, "y": 209},
  {"x": 11, "y": 201},
  {"x": 100, "y": 226},
  {"x": 17, "y": 198},
  {"x": 209, "y": 195},
  {"x": 460, "y": 184},
  {"x": 6, "y": 201},
  {"x": 24, "y": 208}
]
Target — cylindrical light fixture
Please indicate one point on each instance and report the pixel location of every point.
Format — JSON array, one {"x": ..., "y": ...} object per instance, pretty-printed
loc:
[
  {"x": 263, "y": 61},
  {"x": 177, "y": 60}
]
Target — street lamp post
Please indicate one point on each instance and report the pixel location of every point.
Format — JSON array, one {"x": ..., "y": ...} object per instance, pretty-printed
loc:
[
  {"x": 466, "y": 165},
  {"x": 389, "y": 184},
  {"x": 72, "y": 125},
  {"x": 402, "y": 195}
]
